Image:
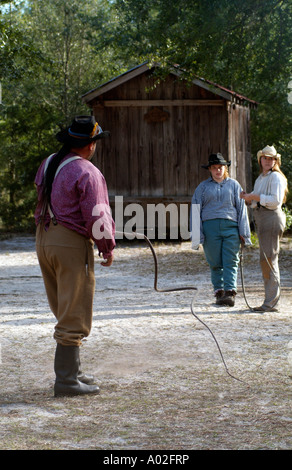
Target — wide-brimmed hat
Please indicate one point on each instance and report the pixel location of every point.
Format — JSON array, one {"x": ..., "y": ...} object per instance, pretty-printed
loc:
[
  {"x": 268, "y": 151},
  {"x": 216, "y": 159},
  {"x": 83, "y": 131}
]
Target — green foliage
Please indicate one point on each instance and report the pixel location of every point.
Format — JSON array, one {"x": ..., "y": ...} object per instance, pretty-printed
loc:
[
  {"x": 48, "y": 60},
  {"x": 254, "y": 240},
  {"x": 288, "y": 214}
]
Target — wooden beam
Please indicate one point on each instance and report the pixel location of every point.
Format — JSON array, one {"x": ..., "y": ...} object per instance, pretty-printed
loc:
[{"x": 148, "y": 103}]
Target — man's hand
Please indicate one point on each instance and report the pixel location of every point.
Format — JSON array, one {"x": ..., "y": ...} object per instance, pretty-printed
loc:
[{"x": 108, "y": 262}]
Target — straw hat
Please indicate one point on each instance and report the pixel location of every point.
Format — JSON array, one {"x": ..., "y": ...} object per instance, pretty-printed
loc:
[{"x": 269, "y": 151}]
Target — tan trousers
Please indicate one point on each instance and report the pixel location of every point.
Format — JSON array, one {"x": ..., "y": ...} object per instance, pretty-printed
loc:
[
  {"x": 67, "y": 263},
  {"x": 270, "y": 227}
]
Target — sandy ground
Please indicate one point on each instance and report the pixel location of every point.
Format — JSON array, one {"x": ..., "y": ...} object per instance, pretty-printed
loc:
[{"x": 162, "y": 379}]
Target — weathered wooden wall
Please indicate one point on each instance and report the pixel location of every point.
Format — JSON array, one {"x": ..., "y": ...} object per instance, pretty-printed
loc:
[
  {"x": 239, "y": 146},
  {"x": 157, "y": 147}
]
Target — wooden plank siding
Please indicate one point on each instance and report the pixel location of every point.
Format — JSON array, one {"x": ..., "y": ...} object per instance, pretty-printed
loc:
[
  {"x": 163, "y": 132},
  {"x": 159, "y": 158},
  {"x": 239, "y": 145}
]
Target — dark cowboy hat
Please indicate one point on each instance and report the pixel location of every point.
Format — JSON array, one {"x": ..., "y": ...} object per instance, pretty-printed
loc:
[
  {"x": 216, "y": 159},
  {"x": 83, "y": 131}
]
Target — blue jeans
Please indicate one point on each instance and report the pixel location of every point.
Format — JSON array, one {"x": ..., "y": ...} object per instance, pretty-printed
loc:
[{"x": 221, "y": 247}]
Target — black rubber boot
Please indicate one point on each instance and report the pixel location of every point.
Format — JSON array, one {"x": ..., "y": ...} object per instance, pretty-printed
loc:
[
  {"x": 67, "y": 364},
  {"x": 85, "y": 378}
]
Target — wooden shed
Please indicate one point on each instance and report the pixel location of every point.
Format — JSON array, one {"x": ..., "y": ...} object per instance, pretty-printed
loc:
[{"x": 163, "y": 130}]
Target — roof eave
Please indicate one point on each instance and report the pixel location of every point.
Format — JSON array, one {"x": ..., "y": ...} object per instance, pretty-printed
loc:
[
  {"x": 224, "y": 93},
  {"x": 114, "y": 82}
]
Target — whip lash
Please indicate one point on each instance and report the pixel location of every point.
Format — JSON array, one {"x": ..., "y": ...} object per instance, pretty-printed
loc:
[{"x": 175, "y": 289}]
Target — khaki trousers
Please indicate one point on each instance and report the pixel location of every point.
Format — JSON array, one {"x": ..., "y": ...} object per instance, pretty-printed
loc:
[
  {"x": 270, "y": 227},
  {"x": 67, "y": 263}
]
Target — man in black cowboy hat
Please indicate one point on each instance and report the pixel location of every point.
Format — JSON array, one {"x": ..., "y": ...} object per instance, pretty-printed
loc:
[{"x": 71, "y": 215}]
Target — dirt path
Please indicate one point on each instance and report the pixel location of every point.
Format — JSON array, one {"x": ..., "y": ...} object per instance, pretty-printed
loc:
[{"x": 163, "y": 383}]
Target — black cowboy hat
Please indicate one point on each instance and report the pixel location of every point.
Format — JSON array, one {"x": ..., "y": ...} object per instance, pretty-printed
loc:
[
  {"x": 216, "y": 159},
  {"x": 83, "y": 131}
]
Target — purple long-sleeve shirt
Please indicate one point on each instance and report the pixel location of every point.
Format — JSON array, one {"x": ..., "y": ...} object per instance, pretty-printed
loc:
[{"x": 79, "y": 201}]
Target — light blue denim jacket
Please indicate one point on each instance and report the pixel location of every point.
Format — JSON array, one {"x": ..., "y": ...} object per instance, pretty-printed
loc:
[{"x": 220, "y": 201}]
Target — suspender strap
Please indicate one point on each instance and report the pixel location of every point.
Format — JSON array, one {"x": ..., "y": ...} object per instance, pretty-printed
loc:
[{"x": 53, "y": 218}]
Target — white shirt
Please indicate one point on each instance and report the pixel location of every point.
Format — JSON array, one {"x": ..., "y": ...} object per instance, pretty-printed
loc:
[{"x": 271, "y": 189}]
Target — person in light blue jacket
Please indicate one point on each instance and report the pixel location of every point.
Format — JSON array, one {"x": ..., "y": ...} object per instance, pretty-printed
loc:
[{"x": 224, "y": 224}]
